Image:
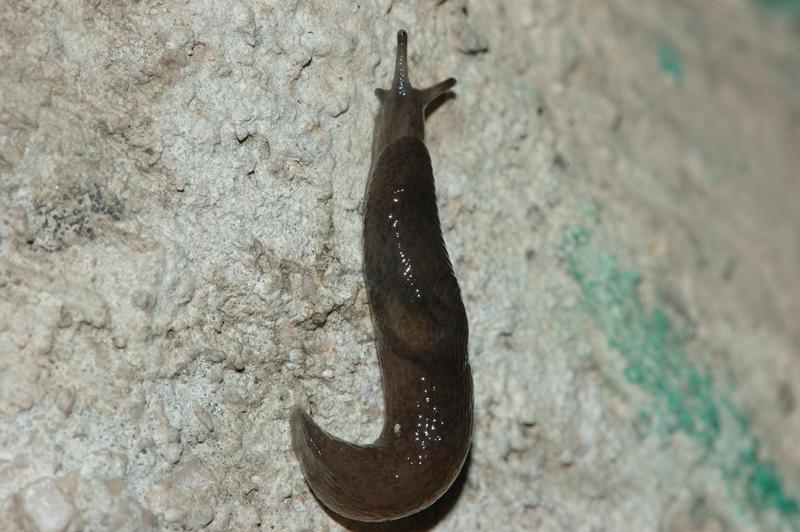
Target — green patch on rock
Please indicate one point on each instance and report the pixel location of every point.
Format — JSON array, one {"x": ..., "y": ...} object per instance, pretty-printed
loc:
[
  {"x": 783, "y": 5},
  {"x": 682, "y": 396},
  {"x": 670, "y": 61}
]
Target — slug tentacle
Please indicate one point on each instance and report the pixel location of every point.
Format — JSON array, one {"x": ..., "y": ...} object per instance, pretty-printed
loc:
[
  {"x": 431, "y": 93},
  {"x": 400, "y": 84},
  {"x": 420, "y": 328}
]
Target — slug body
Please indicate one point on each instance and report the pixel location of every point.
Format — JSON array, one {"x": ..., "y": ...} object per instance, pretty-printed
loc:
[{"x": 420, "y": 327}]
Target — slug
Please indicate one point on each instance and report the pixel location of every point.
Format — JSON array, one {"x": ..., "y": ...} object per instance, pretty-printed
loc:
[{"x": 420, "y": 328}]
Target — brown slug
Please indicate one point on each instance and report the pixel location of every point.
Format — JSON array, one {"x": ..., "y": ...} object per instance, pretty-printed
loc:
[{"x": 420, "y": 327}]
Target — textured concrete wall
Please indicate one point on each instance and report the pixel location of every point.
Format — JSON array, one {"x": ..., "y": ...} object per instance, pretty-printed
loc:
[{"x": 180, "y": 263}]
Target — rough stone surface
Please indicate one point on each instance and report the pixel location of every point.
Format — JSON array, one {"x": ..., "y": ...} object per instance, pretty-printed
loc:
[
  {"x": 44, "y": 508},
  {"x": 180, "y": 257}
]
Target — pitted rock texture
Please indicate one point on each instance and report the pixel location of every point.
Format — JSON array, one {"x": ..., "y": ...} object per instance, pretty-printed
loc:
[{"x": 180, "y": 258}]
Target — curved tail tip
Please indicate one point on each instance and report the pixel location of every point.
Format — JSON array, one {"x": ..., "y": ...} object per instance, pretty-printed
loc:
[
  {"x": 297, "y": 425},
  {"x": 298, "y": 430},
  {"x": 296, "y": 415}
]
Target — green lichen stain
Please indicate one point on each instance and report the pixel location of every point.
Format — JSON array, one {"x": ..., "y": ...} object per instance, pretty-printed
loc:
[
  {"x": 784, "y": 5},
  {"x": 682, "y": 396},
  {"x": 764, "y": 489},
  {"x": 669, "y": 61}
]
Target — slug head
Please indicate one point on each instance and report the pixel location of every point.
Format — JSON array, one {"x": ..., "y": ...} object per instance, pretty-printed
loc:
[{"x": 402, "y": 111}]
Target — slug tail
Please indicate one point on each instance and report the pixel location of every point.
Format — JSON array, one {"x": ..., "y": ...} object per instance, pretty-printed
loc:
[
  {"x": 356, "y": 481},
  {"x": 367, "y": 482}
]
